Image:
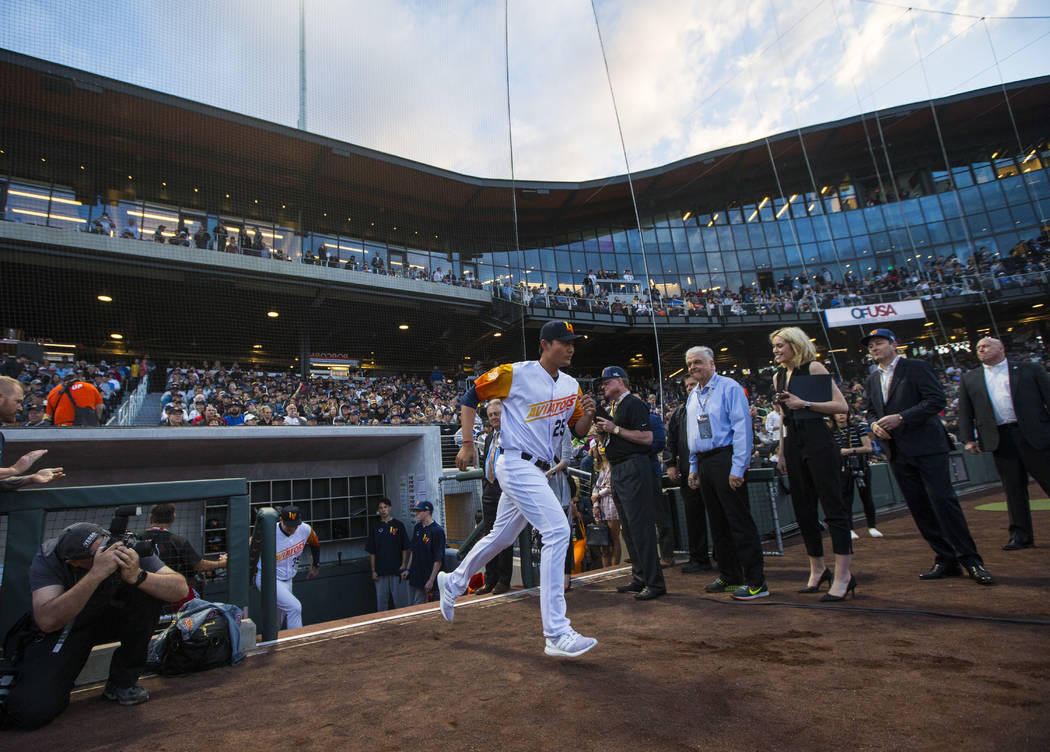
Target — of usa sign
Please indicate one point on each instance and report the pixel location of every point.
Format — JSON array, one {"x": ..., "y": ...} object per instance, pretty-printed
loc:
[{"x": 876, "y": 313}]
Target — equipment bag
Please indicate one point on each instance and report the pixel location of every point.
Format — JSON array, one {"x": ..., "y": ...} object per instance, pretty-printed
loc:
[{"x": 201, "y": 637}]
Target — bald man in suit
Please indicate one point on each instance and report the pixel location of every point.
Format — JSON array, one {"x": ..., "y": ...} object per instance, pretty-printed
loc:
[{"x": 1004, "y": 408}]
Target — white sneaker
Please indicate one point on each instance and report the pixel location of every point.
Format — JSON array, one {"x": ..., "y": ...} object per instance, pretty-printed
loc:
[
  {"x": 852, "y": 536},
  {"x": 874, "y": 532},
  {"x": 448, "y": 601},
  {"x": 569, "y": 645}
]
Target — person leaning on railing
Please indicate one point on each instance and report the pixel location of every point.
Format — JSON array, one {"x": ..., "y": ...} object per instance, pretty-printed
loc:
[{"x": 15, "y": 477}]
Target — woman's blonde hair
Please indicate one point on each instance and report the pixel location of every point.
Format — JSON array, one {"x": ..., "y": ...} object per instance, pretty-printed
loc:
[{"x": 802, "y": 350}]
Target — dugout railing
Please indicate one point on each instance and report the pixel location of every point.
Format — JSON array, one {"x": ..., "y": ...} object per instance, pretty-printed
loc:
[{"x": 27, "y": 511}]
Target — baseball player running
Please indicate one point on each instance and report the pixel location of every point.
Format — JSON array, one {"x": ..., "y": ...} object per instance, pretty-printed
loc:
[{"x": 540, "y": 403}]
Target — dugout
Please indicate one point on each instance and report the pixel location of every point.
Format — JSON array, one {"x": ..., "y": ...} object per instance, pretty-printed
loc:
[{"x": 335, "y": 475}]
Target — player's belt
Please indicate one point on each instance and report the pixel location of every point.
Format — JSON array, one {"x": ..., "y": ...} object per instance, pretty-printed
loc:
[{"x": 544, "y": 466}]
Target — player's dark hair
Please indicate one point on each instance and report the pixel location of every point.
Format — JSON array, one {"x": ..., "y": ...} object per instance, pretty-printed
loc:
[
  {"x": 162, "y": 513},
  {"x": 384, "y": 500}
]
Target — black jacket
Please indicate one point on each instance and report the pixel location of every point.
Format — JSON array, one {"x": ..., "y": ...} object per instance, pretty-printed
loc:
[
  {"x": 918, "y": 397},
  {"x": 1030, "y": 393},
  {"x": 676, "y": 451}
]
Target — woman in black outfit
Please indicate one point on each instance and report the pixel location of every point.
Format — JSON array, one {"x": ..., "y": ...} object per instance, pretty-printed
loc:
[
  {"x": 851, "y": 437},
  {"x": 810, "y": 458}
]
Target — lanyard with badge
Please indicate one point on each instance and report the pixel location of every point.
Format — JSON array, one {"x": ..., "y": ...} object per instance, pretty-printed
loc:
[{"x": 703, "y": 420}]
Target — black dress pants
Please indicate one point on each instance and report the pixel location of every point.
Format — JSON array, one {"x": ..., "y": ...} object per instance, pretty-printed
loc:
[
  {"x": 927, "y": 487},
  {"x": 733, "y": 530},
  {"x": 501, "y": 566},
  {"x": 695, "y": 520},
  {"x": 848, "y": 484},
  {"x": 46, "y": 674},
  {"x": 814, "y": 465},
  {"x": 664, "y": 521},
  {"x": 1016, "y": 459},
  {"x": 632, "y": 487}
]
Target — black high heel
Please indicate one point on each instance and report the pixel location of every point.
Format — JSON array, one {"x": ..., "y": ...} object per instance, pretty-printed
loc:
[
  {"x": 825, "y": 576},
  {"x": 851, "y": 587}
]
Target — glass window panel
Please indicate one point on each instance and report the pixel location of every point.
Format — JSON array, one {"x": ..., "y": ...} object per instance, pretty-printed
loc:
[
  {"x": 1006, "y": 241},
  {"x": 979, "y": 224},
  {"x": 699, "y": 261},
  {"x": 773, "y": 234},
  {"x": 735, "y": 216},
  {"x": 899, "y": 240},
  {"x": 857, "y": 226},
  {"x": 880, "y": 241},
  {"x": 874, "y": 217},
  {"x": 1013, "y": 192},
  {"x": 709, "y": 236},
  {"x": 1005, "y": 168},
  {"x": 938, "y": 232},
  {"x": 1024, "y": 216},
  {"x": 732, "y": 260},
  {"x": 532, "y": 259},
  {"x": 931, "y": 208},
  {"x": 971, "y": 200},
  {"x": 920, "y": 237},
  {"x": 950, "y": 204},
  {"x": 610, "y": 243},
  {"x": 827, "y": 251},
  {"x": 725, "y": 238},
  {"x": 663, "y": 236},
  {"x": 740, "y": 236},
  {"x": 912, "y": 211},
  {"x": 804, "y": 230},
  {"x": 810, "y": 253},
  {"x": 761, "y": 257},
  {"x": 961, "y": 177},
  {"x": 648, "y": 235},
  {"x": 714, "y": 262},
  {"x": 1038, "y": 183},
  {"x": 1001, "y": 220},
  {"x": 956, "y": 229},
  {"x": 778, "y": 256},
  {"x": 983, "y": 172},
  {"x": 679, "y": 238},
  {"x": 547, "y": 260}
]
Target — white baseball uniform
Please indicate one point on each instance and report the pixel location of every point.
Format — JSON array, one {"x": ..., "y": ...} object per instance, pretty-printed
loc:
[
  {"x": 289, "y": 549},
  {"x": 537, "y": 411}
]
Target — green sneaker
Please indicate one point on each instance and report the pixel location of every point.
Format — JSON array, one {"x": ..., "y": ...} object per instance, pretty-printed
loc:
[
  {"x": 750, "y": 593},
  {"x": 720, "y": 586}
]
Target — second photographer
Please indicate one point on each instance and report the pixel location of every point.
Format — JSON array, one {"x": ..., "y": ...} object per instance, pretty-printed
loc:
[{"x": 854, "y": 444}]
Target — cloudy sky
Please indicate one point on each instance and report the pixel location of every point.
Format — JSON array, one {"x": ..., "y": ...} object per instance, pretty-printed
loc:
[{"x": 427, "y": 79}]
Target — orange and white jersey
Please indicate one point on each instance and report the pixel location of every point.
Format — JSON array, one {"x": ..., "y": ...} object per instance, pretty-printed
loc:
[
  {"x": 537, "y": 409},
  {"x": 290, "y": 548}
]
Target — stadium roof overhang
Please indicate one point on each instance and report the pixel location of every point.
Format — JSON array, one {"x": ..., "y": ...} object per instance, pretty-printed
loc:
[{"x": 91, "y": 133}]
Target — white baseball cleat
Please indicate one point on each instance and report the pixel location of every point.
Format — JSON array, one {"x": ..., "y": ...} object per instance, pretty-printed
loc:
[
  {"x": 448, "y": 601},
  {"x": 874, "y": 532},
  {"x": 853, "y": 535},
  {"x": 569, "y": 645}
]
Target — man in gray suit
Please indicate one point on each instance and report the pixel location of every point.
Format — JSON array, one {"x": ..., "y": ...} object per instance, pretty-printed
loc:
[{"x": 1004, "y": 408}]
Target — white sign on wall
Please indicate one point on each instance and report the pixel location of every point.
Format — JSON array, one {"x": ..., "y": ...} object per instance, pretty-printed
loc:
[{"x": 872, "y": 316}]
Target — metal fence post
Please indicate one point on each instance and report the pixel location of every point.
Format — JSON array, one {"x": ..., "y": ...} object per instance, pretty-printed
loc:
[
  {"x": 238, "y": 527},
  {"x": 266, "y": 529}
]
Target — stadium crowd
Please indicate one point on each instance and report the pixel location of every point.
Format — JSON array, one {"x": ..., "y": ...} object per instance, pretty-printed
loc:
[
  {"x": 101, "y": 386},
  {"x": 605, "y": 291}
]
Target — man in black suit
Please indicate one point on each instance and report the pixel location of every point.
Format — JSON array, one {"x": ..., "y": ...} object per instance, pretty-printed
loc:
[
  {"x": 677, "y": 464},
  {"x": 905, "y": 397},
  {"x": 499, "y": 570},
  {"x": 1004, "y": 408}
]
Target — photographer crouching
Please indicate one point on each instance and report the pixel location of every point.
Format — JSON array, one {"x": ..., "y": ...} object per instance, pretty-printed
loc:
[
  {"x": 854, "y": 444},
  {"x": 89, "y": 587}
]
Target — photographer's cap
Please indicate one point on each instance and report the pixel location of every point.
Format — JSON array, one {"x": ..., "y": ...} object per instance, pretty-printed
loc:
[
  {"x": 76, "y": 540},
  {"x": 883, "y": 333},
  {"x": 291, "y": 516},
  {"x": 558, "y": 330},
  {"x": 613, "y": 372},
  {"x": 423, "y": 506}
]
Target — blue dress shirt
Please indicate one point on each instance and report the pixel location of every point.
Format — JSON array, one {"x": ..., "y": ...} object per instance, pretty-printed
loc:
[{"x": 725, "y": 403}]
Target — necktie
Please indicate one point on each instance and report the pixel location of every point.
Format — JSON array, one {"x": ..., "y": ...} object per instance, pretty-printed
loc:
[
  {"x": 490, "y": 461},
  {"x": 887, "y": 380}
]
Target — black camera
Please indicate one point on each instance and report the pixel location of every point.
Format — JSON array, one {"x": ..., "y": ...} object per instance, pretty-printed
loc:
[
  {"x": 118, "y": 528},
  {"x": 855, "y": 466}
]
